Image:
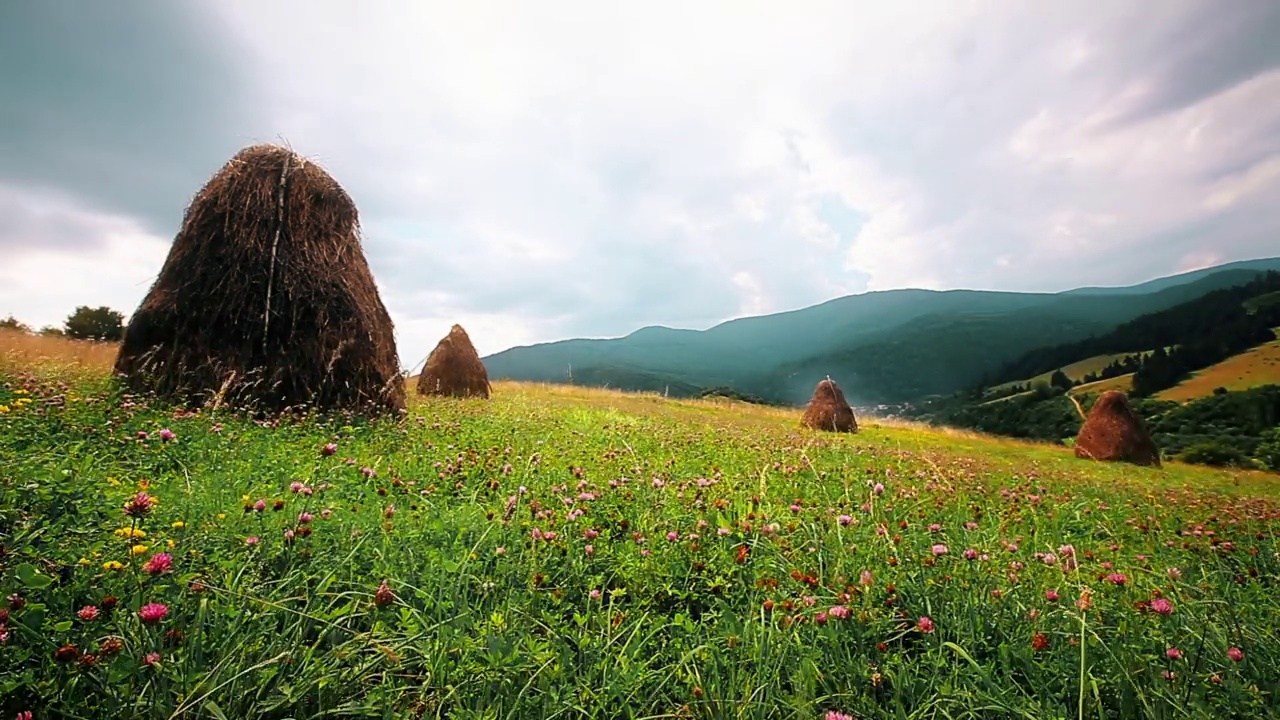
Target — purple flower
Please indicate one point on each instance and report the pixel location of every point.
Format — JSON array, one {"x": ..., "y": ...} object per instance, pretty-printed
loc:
[
  {"x": 166, "y": 435},
  {"x": 939, "y": 549}
]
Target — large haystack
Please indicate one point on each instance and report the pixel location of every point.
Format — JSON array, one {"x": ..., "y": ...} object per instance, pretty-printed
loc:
[
  {"x": 828, "y": 410},
  {"x": 1113, "y": 432},
  {"x": 266, "y": 300},
  {"x": 454, "y": 368}
]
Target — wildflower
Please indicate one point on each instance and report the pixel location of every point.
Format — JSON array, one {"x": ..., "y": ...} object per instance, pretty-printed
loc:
[
  {"x": 939, "y": 549},
  {"x": 112, "y": 565},
  {"x": 1169, "y": 675},
  {"x": 1117, "y": 578},
  {"x": 383, "y": 596},
  {"x": 326, "y": 513},
  {"x": 500, "y": 551},
  {"x": 152, "y": 613},
  {"x": 1236, "y": 654},
  {"x": 1086, "y": 599},
  {"x": 589, "y": 550},
  {"x": 845, "y": 519},
  {"x": 1162, "y": 606},
  {"x": 289, "y": 535},
  {"x": 260, "y": 506},
  {"x": 389, "y": 512},
  {"x": 971, "y": 525},
  {"x": 88, "y": 613},
  {"x": 1051, "y": 595},
  {"x": 925, "y": 624},
  {"x": 839, "y": 612},
  {"x": 110, "y": 646},
  {"x": 1173, "y": 653},
  {"x": 836, "y": 715},
  {"x": 139, "y": 505},
  {"x": 935, "y": 527},
  {"x": 251, "y": 540},
  {"x": 723, "y": 531},
  {"x": 673, "y": 536},
  {"x": 150, "y": 659},
  {"x": 109, "y": 603},
  {"x": 820, "y": 618},
  {"x": 67, "y": 653},
  {"x": 1039, "y": 642},
  {"x": 329, "y": 449},
  {"x": 970, "y": 554},
  {"x": 4, "y": 635},
  {"x": 878, "y": 489},
  {"x": 131, "y": 532},
  {"x": 142, "y": 435},
  {"x": 178, "y": 525},
  {"x": 1174, "y": 573},
  {"x": 368, "y": 472},
  {"x": 159, "y": 563},
  {"x": 17, "y": 602},
  {"x": 865, "y": 580},
  {"x": 166, "y": 434},
  {"x": 1067, "y": 551},
  {"x": 305, "y": 518},
  {"x": 139, "y": 549},
  {"x": 594, "y": 594}
]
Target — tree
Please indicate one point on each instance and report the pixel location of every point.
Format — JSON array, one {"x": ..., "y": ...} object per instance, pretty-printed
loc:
[
  {"x": 1060, "y": 380},
  {"x": 51, "y": 331},
  {"x": 13, "y": 323},
  {"x": 101, "y": 323}
]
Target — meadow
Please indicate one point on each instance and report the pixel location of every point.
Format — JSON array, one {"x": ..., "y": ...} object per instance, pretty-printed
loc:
[{"x": 559, "y": 552}]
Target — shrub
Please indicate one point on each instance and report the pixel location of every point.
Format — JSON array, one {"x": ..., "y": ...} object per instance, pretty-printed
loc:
[{"x": 1215, "y": 454}]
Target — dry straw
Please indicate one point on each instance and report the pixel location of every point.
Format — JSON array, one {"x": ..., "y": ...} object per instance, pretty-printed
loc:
[
  {"x": 266, "y": 299},
  {"x": 828, "y": 410},
  {"x": 454, "y": 368},
  {"x": 1114, "y": 432}
]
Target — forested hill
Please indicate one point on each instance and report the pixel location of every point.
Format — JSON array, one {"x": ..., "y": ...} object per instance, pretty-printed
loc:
[
  {"x": 1205, "y": 330},
  {"x": 883, "y": 347}
]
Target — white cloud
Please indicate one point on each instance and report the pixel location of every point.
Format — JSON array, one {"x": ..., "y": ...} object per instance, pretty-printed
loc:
[
  {"x": 562, "y": 169},
  {"x": 60, "y": 255}
]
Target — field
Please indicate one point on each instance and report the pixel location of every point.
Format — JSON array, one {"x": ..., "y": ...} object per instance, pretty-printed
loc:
[
  {"x": 1123, "y": 383},
  {"x": 559, "y": 552},
  {"x": 1075, "y": 371},
  {"x": 1259, "y": 366}
]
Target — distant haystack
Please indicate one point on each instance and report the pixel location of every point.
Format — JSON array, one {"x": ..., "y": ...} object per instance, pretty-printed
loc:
[
  {"x": 1113, "y": 432},
  {"x": 828, "y": 410},
  {"x": 265, "y": 299},
  {"x": 454, "y": 368}
]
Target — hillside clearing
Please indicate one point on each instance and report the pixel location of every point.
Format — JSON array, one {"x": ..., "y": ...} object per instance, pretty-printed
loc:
[{"x": 1256, "y": 367}]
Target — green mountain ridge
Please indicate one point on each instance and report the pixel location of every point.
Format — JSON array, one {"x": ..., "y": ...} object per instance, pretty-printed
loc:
[{"x": 883, "y": 347}]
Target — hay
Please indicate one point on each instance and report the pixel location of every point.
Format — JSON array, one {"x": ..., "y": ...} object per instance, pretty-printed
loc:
[
  {"x": 265, "y": 300},
  {"x": 454, "y": 368},
  {"x": 828, "y": 410},
  {"x": 1114, "y": 432}
]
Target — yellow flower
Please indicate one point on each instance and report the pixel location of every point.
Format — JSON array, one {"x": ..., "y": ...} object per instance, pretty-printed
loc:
[
  {"x": 20, "y": 391},
  {"x": 170, "y": 544},
  {"x": 139, "y": 549},
  {"x": 112, "y": 565},
  {"x": 179, "y": 525},
  {"x": 125, "y": 532},
  {"x": 144, "y": 484},
  {"x": 244, "y": 498},
  {"x": 113, "y": 481},
  {"x": 222, "y": 516},
  {"x": 4, "y": 409},
  {"x": 83, "y": 561}
]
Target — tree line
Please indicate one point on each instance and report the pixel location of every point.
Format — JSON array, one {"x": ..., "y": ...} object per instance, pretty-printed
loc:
[{"x": 86, "y": 323}]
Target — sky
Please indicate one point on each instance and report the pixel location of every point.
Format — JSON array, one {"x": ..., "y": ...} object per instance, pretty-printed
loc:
[{"x": 542, "y": 171}]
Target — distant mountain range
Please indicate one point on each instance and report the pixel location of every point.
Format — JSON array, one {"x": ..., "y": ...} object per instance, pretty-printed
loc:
[{"x": 882, "y": 347}]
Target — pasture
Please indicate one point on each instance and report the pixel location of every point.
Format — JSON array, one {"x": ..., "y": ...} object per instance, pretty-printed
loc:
[{"x": 561, "y": 552}]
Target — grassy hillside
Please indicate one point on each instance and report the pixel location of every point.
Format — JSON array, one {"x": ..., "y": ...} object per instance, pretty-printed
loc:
[
  {"x": 884, "y": 346},
  {"x": 1255, "y": 367},
  {"x": 1075, "y": 371},
  {"x": 566, "y": 552}
]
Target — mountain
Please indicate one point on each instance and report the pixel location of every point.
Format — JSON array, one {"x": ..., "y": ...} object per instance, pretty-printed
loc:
[{"x": 883, "y": 347}]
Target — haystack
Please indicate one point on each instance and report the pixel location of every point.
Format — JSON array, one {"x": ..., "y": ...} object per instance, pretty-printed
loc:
[
  {"x": 828, "y": 410},
  {"x": 454, "y": 368},
  {"x": 1114, "y": 432},
  {"x": 266, "y": 300}
]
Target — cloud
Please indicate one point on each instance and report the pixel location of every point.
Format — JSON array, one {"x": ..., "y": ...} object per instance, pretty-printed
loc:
[{"x": 582, "y": 169}]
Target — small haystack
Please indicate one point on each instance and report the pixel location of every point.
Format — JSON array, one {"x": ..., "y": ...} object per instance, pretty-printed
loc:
[
  {"x": 1113, "y": 432},
  {"x": 454, "y": 368},
  {"x": 828, "y": 410},
  {"x": 265, "y": 299}
]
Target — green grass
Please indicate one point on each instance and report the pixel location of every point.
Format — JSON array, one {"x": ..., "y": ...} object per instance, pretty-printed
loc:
[{"x": 488, "y": 616}]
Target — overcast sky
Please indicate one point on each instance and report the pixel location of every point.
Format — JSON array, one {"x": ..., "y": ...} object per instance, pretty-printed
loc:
[{"x": 538, "y": 171}]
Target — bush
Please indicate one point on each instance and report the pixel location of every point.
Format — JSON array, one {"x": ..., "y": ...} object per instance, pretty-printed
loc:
[
  {"x": 13, "y": 323},
  {"x": 1215, "y": 454},
  {"x": 1269, "y": 450}
]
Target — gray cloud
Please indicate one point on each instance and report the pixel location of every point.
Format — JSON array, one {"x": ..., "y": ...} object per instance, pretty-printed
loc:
[{"x": 585, "y": 170}]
